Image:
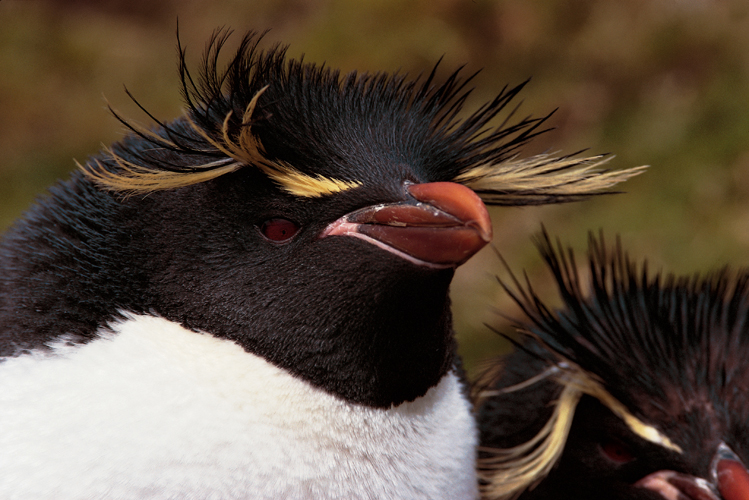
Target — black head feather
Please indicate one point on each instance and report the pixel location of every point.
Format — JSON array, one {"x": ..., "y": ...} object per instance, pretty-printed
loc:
[
  {"x": 297, "y": 117},
  {"x": 665, "y": 346}
]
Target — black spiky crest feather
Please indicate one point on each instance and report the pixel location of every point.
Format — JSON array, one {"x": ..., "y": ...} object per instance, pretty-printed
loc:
[
  {"x": 261, "y": 96},
  {"x": 651, "y": 339},
  {"x": 657, "y": 350}
]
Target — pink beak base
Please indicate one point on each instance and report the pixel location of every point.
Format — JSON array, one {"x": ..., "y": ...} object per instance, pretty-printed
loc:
[{"x": 731, "y": 482}]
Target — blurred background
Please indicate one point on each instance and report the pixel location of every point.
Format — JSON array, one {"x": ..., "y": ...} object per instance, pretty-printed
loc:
[{"x": 663, "y": 83}]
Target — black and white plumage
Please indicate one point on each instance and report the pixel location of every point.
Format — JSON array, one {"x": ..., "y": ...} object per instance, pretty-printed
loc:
[
  {"x": 634, "y": 388},
  {"x": 251, "y": 300}
]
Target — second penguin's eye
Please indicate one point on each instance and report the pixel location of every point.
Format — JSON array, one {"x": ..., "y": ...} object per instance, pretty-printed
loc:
[
  {"x": 279, "y": 230},
  {"x": 616, "y": 452}
]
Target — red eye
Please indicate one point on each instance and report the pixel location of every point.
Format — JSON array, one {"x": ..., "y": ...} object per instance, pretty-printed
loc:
[
  {"x": 616, "y": 452},
  {"x": 279, "y": 229}
]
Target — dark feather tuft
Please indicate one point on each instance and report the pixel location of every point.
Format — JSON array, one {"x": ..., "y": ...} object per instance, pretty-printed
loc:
[
  {"x": 300, "y": 123},
  {"x": 665, "y": 346}
]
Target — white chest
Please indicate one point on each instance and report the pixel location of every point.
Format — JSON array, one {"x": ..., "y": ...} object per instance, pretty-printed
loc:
[{"x": 157, "y": 411}]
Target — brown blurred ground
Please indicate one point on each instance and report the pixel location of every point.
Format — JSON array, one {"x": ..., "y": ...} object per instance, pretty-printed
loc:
[{"x": 657, "y": 82}]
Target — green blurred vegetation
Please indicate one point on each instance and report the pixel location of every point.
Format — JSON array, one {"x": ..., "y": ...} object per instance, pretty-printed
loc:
[{"x": 657, "y": 82}]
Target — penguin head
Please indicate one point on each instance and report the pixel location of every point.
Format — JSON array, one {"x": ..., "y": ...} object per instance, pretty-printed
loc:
[
  {"x": 637, "y": 385},
  {"x": 313, "y": 218}
]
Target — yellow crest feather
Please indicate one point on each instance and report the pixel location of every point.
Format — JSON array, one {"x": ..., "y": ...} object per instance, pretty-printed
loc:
[
  {"x": 543, "y": 177},
  {"x": 132, "y": 178},
  {"x": 509, "y": 472},
  {"x": 246, "y": 150}
]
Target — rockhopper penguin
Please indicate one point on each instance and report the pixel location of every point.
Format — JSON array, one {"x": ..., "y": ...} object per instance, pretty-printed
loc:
[
  {"x": 251, "y": 301},
  {"x": 636, "y": 388}
]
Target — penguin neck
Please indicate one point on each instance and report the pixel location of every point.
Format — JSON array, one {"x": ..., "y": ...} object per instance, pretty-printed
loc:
[
  {"x": 378, "y": 350},
  {"x": 402, "y": 348}
]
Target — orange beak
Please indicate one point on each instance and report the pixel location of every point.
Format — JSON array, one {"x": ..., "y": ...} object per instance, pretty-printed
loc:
[{"x": 441, "y": 225}]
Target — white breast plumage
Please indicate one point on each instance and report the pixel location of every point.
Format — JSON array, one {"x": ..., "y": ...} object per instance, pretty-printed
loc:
[{"x": 157, "y": 411}]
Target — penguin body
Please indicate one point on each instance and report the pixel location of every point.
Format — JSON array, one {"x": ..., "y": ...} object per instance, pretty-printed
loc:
[{"x": 252, "y": 300}]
